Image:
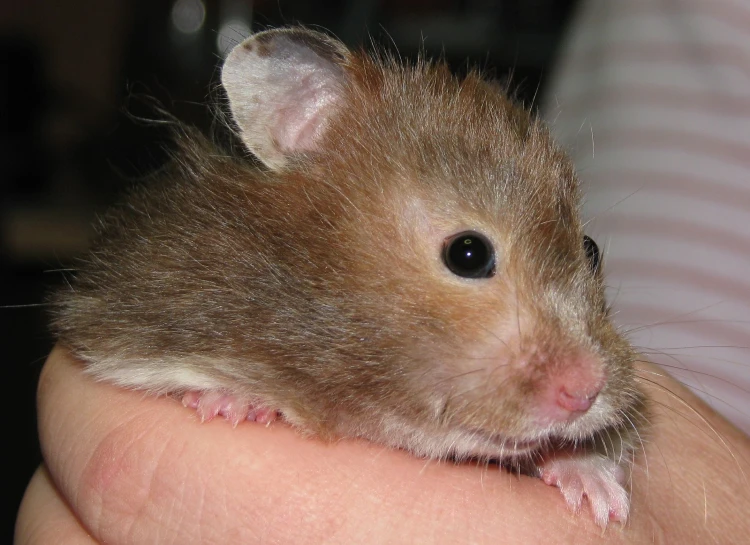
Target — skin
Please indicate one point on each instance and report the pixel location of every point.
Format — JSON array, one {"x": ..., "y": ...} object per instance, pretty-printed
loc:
[{"x": 123, "y": 468}]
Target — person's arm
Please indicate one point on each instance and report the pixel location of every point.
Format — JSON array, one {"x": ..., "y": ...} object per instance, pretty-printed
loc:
[{"x": 122, "y": 467}]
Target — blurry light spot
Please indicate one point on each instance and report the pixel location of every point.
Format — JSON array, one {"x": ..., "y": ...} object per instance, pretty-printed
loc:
[
  {"x": 188, "y": 16},
  {"x": 231, "y": 32}
]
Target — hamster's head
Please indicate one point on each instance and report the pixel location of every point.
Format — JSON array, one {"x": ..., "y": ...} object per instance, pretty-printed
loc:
[{"x": 470, "y": 317}]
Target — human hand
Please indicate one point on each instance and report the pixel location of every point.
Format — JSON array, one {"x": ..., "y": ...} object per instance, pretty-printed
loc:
[{"x": 121, "y": 467}]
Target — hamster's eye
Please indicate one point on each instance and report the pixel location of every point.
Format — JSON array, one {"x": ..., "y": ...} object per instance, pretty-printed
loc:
[
  {"x": 469, "y": 255},
  {"x": 592, "y": 252}
]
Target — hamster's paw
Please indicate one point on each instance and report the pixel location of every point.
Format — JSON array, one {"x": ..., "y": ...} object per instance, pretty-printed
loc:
[
  {"x": 598, "y": 478},
  {"x": 210, "y": 404}
]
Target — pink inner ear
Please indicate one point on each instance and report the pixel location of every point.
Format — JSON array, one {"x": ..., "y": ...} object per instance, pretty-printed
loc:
[
  {"x": 300, "y": 121},
  {"x": 281, "y": 95}
]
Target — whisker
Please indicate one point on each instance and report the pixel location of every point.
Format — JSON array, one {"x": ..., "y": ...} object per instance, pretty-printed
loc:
[
  {"x": 696, "y": 413},
  {"x": 703, "y": 389},
  {"x": 27, "y": 305},
  {"x": 668, "y": 320}
]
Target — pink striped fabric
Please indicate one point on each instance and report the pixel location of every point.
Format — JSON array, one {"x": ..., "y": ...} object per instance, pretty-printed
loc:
[{"x": 652, "y": 98}]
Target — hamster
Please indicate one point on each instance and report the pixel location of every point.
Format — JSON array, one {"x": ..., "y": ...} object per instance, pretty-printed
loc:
[{"x": 403, "y": 261}]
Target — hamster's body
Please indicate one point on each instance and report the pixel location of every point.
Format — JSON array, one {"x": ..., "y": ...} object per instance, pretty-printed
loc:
[{"x": 318, "y": 287}]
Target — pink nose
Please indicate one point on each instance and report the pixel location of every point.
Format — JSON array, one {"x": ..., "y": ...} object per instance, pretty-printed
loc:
[
  {"x": 570, "y": 390},
  {"x": 575, "y": 402}
]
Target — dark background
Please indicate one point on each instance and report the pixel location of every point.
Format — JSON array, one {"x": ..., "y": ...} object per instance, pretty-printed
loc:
[{"x": 71, "y": 71}]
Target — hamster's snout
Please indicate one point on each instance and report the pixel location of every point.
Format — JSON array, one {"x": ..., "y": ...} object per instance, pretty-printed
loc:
[
  {"x": 575, "y": 402},
  {"x": 570, "y": 390}
]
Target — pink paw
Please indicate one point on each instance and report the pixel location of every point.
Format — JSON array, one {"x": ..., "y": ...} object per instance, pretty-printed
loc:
[
  {"x": 210, "y": 403},
  {"x": 594, "y": 476}
]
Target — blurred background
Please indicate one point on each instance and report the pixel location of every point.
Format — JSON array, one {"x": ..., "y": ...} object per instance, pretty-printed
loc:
[{"x": 73, "y": 69}]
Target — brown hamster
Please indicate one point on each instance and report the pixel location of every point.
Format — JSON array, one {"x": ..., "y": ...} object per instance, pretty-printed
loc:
[{"x": 407, "y": 266}]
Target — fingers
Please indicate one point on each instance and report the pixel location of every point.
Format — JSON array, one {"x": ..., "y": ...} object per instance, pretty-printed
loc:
[
  {"x": 45, "y": 518},
  {"x": 137, "y": 469},
  {"x": 133, "y": 466}
]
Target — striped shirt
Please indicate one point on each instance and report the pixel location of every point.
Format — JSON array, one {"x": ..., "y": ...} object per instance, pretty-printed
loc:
[{"x": 652, "y": 99}]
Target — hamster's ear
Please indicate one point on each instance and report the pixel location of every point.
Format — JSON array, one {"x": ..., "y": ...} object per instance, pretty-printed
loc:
[{"x": 283, "y": 85}]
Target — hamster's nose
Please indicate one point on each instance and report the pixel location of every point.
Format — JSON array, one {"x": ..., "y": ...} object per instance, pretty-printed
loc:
[
  {"x": 568, "y": 393},
  {"x": 575, "y": 402}
]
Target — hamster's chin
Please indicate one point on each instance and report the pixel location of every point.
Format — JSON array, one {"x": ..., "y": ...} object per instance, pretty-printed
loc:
[
  {"x": 452, "y": 442},
  {"x": 500, "y": 447},
  {"x": 435, "y": 440}
]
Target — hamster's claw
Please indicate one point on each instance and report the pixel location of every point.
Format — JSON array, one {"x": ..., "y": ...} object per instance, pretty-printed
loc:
[
  {"x": 210, "y": 404},
  {"x": 594, "y": 476}
]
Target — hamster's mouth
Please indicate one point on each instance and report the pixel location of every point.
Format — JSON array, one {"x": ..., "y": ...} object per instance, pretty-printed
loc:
[
  {"x": 510, "y": 445},
  {"x": 519, "y": 445}
]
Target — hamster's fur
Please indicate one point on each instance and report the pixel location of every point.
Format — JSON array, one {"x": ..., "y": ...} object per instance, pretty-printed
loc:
[{"x": 316, "y": 286}]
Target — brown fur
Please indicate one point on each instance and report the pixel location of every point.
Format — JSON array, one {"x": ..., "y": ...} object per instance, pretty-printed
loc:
[{"x": 319, "y": 289}]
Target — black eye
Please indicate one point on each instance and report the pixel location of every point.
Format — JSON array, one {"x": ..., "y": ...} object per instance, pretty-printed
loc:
[
  {"x": 592, "y": 252},
  {"x": 470, "y": 255}
]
